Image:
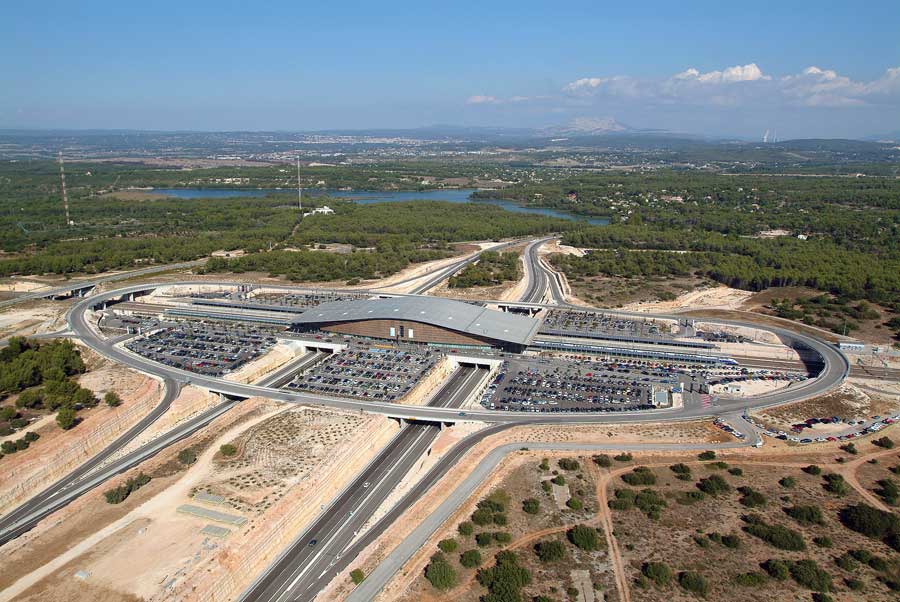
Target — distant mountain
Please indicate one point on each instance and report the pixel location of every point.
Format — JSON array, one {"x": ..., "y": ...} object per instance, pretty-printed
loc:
[
  {"x": 588, "y": 126},
  {"x": 890, "y": 137}
]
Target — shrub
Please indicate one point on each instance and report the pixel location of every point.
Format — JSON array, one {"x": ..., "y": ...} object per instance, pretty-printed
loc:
[
  {"x": 545, "y": 464},
  {"x": 569, "y": 464},
  {"x": 187, "y": 456},
  {"x": 820, "y": 597},
  {"x": 559, "y": 480},
  {"x": 502, "y": 537},
  {"x": 823, "y": 541},
  {"x": 707, "y": 455},
  {"x": 66, "y": 418},
  {"x": 751, "y": 579},
  {"x": 885, "y": 442},
  {"x": 808, "y": 574},
  {"x": 623, "y": 457},
  {"x": 500, "y": 520},
  {"x": 8, "y": 447},
  {"x": 31, "y": 436},
  {"x": 693, "y": 582},
  {"x": 713, "y": 485},
  {"x": 854, "y": 584},
  {"x": 717, "y": 465},
  {"x": 846, "y": 562},
  {"x": 227, "y": 450},
  {"x": 22, "y": 444},
  {"x": 812, "y": 469},
  {"x": 680, "y": 468},
  {"x": 482, "y": 517},
  {"x": 850, "y": 448},
  {"x": 788, "y": 482},
  {"x": 806, "y": 515},
  {"x": 584, "y": 537},
  {"x": 357, "y": 576},
  {"x": 574, "y": 503},
  {"x": 448, "y": 546},
  {"x": 872, "y": 522},
  {"x": 602, "y": 460},
  {"x": 688, "y": 498},
  {"x": 546, "y": 486},
  {"x": 504, "y": 580},
  {"x": 439, "y": 573},
  {"x": 649, "y": 502},
  {"x": 835, "y": 483},
  {"x": 119, "y": 494},
  {"x": 777, "y": 536},
  {"x": 465, "y": 528},
  {"x": 657, "y": 572},
  {"x": 738, "y": 472},
  {"x": 112, "y": 399},
  {"x": 550, "y": 551},
  {"x": 888, "y": 491},
  {"x": 777, "y": 569},
  {"x": 470, "y": 559},
  {"x": 640, "y": 476},
  {"x": 531, "y": 505},
  {"x": 484, "y": 539},
  {"x": 751, "y": 497},
  {"x": 8, "y": 413}
]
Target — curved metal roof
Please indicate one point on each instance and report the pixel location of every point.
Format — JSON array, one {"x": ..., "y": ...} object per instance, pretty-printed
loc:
[{"x": 435, "y": 311}]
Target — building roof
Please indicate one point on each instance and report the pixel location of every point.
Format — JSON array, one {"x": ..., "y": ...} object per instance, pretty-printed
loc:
[{"x": 435, "y": 311}]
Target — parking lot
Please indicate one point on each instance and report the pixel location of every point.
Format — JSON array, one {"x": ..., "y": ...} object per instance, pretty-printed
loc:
[
  {"x": 593, "y": 324},
  {"x": 208, "y": 348},
  {"x": 381, "y": 373},
  {"x": 552, "y": 386}
]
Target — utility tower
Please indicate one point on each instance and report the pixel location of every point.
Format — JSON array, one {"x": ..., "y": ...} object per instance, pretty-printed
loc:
[
  {"x": 299, "y": 189},
  {"x": 62, "y": 180}
]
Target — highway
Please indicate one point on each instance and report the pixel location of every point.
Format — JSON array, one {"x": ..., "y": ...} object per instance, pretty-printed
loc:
[
  {"x": 25, "y": 517},
  {"x": 305, "y": 567},
  {"x": 442, "y": 274},
  {"x": 535, "y": 274},
  {"x": 833, "y": 373},
  {"x": 75, "y": 285}
]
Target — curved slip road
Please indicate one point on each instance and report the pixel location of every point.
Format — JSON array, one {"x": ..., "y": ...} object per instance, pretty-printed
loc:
[{"x": 833, "y": 373}]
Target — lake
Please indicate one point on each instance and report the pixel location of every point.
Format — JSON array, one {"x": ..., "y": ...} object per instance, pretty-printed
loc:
[{"x": 366, "y": 197}]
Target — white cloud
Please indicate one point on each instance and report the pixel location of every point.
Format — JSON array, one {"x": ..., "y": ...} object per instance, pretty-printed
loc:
[
  {"x": 736, "y": 86},
  {"x": 482, "y": 100}
]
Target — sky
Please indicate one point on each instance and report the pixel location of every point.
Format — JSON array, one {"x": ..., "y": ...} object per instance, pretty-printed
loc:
[{"x": 803, "y": 69}]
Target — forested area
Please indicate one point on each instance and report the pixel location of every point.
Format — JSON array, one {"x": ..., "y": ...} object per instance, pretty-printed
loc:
[
  {"x": 839, "y": 235},
  {"x": 390, "y": 236},
  {"x": 492, "y": 268},
  {"x": 40, "y": 374}
]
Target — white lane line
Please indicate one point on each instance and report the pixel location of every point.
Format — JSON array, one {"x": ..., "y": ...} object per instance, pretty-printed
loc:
[{"x": 340, "y": 526}]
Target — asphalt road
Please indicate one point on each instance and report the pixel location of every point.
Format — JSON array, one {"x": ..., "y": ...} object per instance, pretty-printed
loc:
[
  {"x": 834, "y": 371},
  {"x": 323, "y": 550},
  {"x": 90, "y": 282},
  {"x": 88, "y": 475},
  {"x": 444, "y": 273},
  {"x": 536, "y": 276}
]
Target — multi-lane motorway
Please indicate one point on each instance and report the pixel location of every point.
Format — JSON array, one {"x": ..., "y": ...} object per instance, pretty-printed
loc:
[
  {"x": 320, "y": 552},
  {"x": 306, "y": 567},
  {"x": 69, "y": 287}
]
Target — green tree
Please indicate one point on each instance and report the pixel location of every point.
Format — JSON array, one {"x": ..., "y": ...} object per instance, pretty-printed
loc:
[
  {"x": 66, "y": 418},
  {"x": 440, "y": 573},
  {"x": 112, "y": 399},
  {"x": 357, "y": 576},
  {"x": 550, "y": 551},
  {"x": 584, "y": 537}
]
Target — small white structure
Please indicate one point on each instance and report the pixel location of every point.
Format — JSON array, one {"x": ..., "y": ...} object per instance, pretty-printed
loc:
[{"x": 325, "y": 210}]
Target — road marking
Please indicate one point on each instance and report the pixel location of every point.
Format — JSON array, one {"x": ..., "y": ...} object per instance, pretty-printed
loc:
[{"x": 340, "y": 526}]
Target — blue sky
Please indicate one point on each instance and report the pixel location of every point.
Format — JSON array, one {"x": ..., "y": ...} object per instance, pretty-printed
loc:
[{"x": 803, "y": 68}]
